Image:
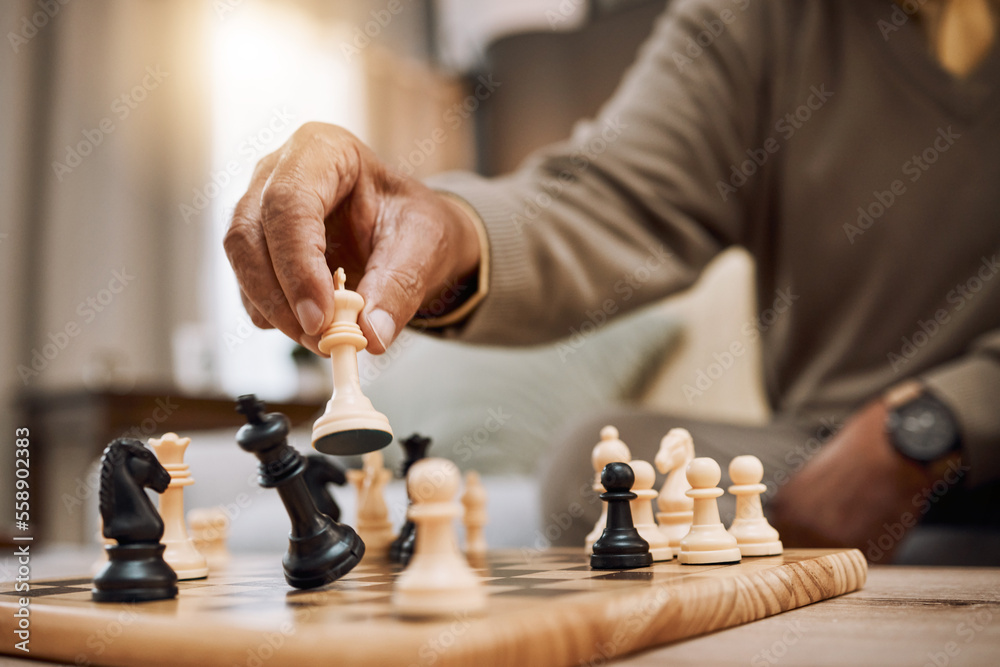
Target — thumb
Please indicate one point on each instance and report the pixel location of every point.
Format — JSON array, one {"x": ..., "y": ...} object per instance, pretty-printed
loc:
[{"x": 393, "y": 287}]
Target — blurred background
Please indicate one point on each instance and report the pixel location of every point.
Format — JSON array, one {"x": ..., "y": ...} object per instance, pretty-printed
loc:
[{"x": 130, "y": 129}]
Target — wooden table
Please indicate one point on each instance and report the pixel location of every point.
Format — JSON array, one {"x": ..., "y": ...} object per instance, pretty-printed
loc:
[{"x": 902, "y": 616}]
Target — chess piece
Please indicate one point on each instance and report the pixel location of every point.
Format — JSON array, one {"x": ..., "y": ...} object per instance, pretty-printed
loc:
[
  {"x": 620, "y": 547},
  {"x": 642, "y": 511},
  {"x": 401, "y": 548},
  {"x": 609, "y": 449},
  {"x": 320, "y": 550},
  {"x": 102, "y": 560},
  {"x": 707, "y": 542},
  {"x": 180, "y": 554},
  {"x": 135, "y": 571},
  {"x": 474, "y": 500},
  {"x": 754, "y": 535},
  {"x": 209, "y": 529},
  {"x": 350, "y": 425},
  {"x": 374, "y": 526},
  {"x": 674, "y": 517},
  {"x": 320, "y": 472},
  {"x": 438, "y": 580}
]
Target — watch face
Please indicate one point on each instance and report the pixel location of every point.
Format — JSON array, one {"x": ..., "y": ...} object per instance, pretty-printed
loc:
[{"x": 923, "y": 429}]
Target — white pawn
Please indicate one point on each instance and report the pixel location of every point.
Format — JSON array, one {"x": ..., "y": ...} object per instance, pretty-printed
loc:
[
  {"x": 180, "y": 553},
  {"x": 642, "y": 511},
  {"x": 474, "y": 500},
  {"x": 676, "y": 508},
  {"x": 374, "y": 526},
  {"x": 438, "y": 581},
  {"x": 708, "y": 541},
  {"x": 753, "y": 533},
  {"x": 609, "y": 450}
]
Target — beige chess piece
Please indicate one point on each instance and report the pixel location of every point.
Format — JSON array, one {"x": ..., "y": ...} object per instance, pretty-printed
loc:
[
  {"x": 676, "y": 452},
  {"x": 474, "y": 500},
  {"x": 350, "y": 424},
  {"x": 755, "y": 536},
  {"x": 438, "y": 581},
  {"x": 209, "y": 529},
  {"x": 374, "y": 526},
  {"x": 708, "y": 541},
  {"x": 642, "y": 511},
  {"x": 180, "y": 552},
  {"x": 609, "y": 450}
]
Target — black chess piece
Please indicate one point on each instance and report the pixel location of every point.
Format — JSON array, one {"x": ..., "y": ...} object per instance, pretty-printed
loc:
[
  {"x": 320, "y": 550},
  {"x": 620, "y": 547},
  {"x": 401, "y": 548},
  {"x": 321, "y": 471},
  {"x": 135, "y": 571}
]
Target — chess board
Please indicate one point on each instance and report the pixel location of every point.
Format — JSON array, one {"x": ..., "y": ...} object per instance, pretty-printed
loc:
[{"x": 544, "y": 608}]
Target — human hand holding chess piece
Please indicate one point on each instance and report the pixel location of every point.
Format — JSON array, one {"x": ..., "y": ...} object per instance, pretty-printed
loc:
[{"x": 325, "y": 200}]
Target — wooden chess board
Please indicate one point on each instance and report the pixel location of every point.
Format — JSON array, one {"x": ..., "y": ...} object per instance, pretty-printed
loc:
[{"x": 544, "y": 608}]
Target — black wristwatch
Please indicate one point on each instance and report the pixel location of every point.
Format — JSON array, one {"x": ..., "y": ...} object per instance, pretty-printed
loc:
[{"x": 920, "y": 426}]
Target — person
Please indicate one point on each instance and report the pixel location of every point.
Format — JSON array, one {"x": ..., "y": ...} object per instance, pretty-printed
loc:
[{"x": 852, "y": 147}]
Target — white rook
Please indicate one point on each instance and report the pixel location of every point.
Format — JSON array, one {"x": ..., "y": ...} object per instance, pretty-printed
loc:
[{"x": 180, "y": 553}]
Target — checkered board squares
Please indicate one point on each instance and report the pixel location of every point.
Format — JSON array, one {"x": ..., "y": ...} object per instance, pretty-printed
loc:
[{"x": 543, "y": 608}]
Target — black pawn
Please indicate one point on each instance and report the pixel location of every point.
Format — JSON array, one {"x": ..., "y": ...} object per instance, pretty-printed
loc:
[
  {"x": 401, "y": 548},
  {"x": 620, "y": 547},
  {"x": 321, "y": 471},
  {"x": 320, "y": 550}
]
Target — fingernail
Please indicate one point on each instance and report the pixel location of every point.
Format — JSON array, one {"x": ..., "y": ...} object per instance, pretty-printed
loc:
[
  {"x": 310, "y": 316},
  {"x": 383, "y": 325}
]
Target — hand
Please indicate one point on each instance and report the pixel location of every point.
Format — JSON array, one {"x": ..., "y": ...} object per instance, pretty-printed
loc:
[
  {"x": 324, "y": 200},
  {"x": 856, "y": 489}
]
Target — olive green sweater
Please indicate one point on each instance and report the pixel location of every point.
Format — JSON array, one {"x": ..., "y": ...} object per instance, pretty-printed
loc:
[{"x": 822, "y": 137}]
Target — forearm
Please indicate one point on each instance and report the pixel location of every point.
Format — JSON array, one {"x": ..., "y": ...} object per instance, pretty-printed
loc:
[
  {"x": 627, "y": 210},
  {"x": 969, "y": 386}
]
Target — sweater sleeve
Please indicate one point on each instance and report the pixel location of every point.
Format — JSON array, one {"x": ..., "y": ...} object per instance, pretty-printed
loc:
[
  {"x": 633, "y": 205},
  {"x": 970, "y": 386}
]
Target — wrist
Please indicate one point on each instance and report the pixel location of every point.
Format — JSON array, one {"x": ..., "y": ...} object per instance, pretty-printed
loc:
[
  {"x": 465, "y": 283},
  {"x": 921, "y": 427}
]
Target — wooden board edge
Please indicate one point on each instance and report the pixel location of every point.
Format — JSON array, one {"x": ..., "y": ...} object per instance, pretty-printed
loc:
[{"x": 639, "y": 618}]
